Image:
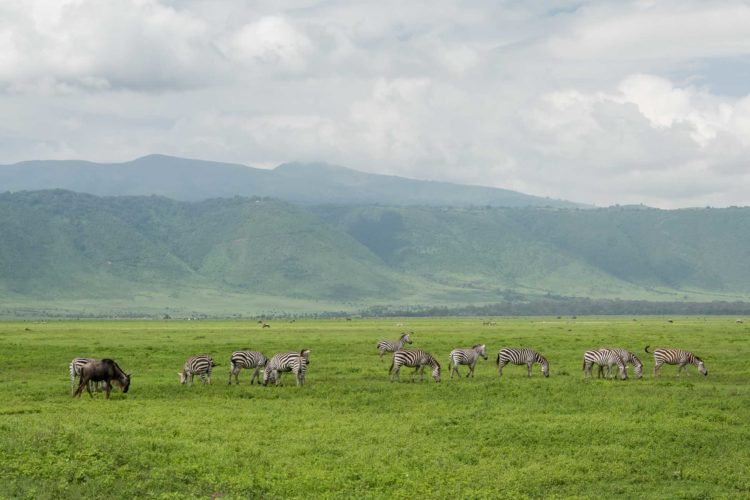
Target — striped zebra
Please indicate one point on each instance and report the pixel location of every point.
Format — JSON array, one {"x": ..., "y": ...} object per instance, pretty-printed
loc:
[
  {"x": 521, "y": 357},
  {"x": 466, "y": 357},
  {"x": 75, "y": 371},
  {"x": 295, "y": 362},
  {"x": 417, "y": 359},
  {"x": 200, "y": 365},
  {"x": 385, "y": 346},
  {"x": 629, "y": 358},
  {"x": 246, "y": 359},
  {"x": 676, "y": 357},
  {"x": 604, "y": 357}
]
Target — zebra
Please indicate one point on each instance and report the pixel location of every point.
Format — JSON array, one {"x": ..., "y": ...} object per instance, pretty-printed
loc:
[
  {"x": 75, "y": 371},
  {"x": 415, "y": 359},
  {"x": 676, "y": 357},
  {"x": 604, "y": 357},
  {"x": 627, "y": 357},
  {"x": 295, "y": 362},
  {"x": 385, "y": 346},
  {"x": 466, "y": 357},
  {"x": 197, "y": 365},
  {"x": 246, "y": 359},
  {"x": 521, "y": 357}
]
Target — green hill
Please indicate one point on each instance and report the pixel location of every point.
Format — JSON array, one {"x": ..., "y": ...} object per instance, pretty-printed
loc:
[{"x": 82, "y": 252}]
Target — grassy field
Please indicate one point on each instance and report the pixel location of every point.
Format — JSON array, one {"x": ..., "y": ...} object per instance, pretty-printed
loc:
[{"x": 350, "y": 433}]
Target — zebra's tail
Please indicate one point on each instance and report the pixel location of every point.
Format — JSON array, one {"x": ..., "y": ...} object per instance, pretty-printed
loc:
[
  {"x": 392, "y": 363},
  {"x": 497, "y": 361},
  {"x": 646, "y": 349},
  {"x": 450, "y": 361}
]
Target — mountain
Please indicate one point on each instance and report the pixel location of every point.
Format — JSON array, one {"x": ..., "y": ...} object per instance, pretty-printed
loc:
[
  {"x": 308, "y": 184},
  {"x": 131, "y": 253}
]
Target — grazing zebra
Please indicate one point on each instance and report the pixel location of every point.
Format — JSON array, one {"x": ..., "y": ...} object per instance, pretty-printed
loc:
[
  {"x": 75, "y": 371},
  {"x": 385, "y": 346},
  {"x": 415, "y": 359},
  {"x": 197, "y": 365},
  {"x": 604, "y": 357},
  {"x": 295, "y": 362},
  {"x": 466, "y": 357},
  {"x": 246, "y": 359},
  {"x": 627, "y": 357},
  {"x": 676, "y": 357},
  {"x": 521, "y": 357}
]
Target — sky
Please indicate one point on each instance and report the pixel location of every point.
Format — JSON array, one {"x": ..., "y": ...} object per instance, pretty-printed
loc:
[{"x": 621, "y": 102}]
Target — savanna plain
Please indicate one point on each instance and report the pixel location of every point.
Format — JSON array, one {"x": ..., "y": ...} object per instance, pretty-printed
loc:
[{"x": 351, "y": 433}]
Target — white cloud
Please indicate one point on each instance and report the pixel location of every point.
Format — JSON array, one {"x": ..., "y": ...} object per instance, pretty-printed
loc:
[{"x": 603, "y": 102}]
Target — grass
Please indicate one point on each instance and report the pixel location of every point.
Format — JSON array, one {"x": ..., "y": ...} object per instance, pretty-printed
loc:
[{"x": 351, "y": 433}]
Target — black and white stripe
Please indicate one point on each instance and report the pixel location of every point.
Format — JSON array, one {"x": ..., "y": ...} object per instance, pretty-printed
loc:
[
  {"x": 200, "y": 365},
  {"x": 417, "y": 359},
  {"x": 676, "y": 357},
  {"x": 385, "y": 346},
  {"x": 466, "y": 357},
  {"x": 521, "y": 356},
  {"x": 75, "y": 371},
  {"x": 629, "y": 358},
  {"x": 295, "y": 362},
  {"x": 604, "y": 357},
  {"x": 246, "y": 359}
]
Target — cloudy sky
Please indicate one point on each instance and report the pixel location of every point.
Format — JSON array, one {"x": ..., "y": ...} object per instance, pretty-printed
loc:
[{"x": 598, "y": 102}]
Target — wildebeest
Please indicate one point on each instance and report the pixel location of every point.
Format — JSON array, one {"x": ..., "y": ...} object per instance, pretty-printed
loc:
[{"x": 105, "y": 370}]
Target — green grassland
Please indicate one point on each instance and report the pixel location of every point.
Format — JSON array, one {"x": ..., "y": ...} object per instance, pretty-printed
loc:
[{"x": 350, "y": 433}]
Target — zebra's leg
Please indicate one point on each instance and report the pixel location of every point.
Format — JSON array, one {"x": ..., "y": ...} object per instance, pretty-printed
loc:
[
  {"x": 500, "y": 368},
  {"x": 396, "y": 373},
  {"x": 231, "y": 371},
  {"x": 657, "y": 366},
  {"x": 680, "y": 368},
  {"x": 528, "y": 368},
  {"x": 381, "y": 356},
  {"x": 471, "y": 370},
  {"x": 256, "y": 374},
  {"x": 209, "y": 376}
]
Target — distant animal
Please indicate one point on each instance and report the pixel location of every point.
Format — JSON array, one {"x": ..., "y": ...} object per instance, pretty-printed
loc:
[
  {"x": 295, "y": 362},
  {"x": 200, "y": 365},
  {"x": 417, "y": 359},
  {"x": 603, "y": 357},
  {"x": 676, "y": 357},
  {"x": 629, "y": 358},
  {"x": 466, "y": 357},
  {"x": 74, "y": 368},
  {"x": 385, "y": 346},
  {"x": 246, "y": 359},
  {"x": 105, "y": 370},
  {"x": 266, "y": 325},
  {"x": 521, "y": 356}
]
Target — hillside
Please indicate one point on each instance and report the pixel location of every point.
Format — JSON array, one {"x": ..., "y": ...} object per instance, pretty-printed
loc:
[
  {"x": 308, "y": 184},
  {"x": 250, "y": 254}
]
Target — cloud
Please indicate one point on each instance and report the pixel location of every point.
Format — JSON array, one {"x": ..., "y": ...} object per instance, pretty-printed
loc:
[{"x": 599, "y": 102}]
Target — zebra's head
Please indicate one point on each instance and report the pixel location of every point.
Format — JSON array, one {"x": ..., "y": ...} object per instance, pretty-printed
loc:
[
  {"x": 482, "y": 350},
  {"x": 545, "y": 367},
  {"x": 638, "y": 370},
  {"x": 405, "y": 337},
  {"x": 436, "y": 373},
  {"x": 435, "y": 369},
  {"x": 183, "y": 377},
  {"x": 701, "y": 367}
]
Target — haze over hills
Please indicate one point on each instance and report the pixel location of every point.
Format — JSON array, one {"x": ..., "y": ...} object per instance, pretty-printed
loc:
[
  {"x": 63, "y": 246},
  {"x": 309, "y": 184}
]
